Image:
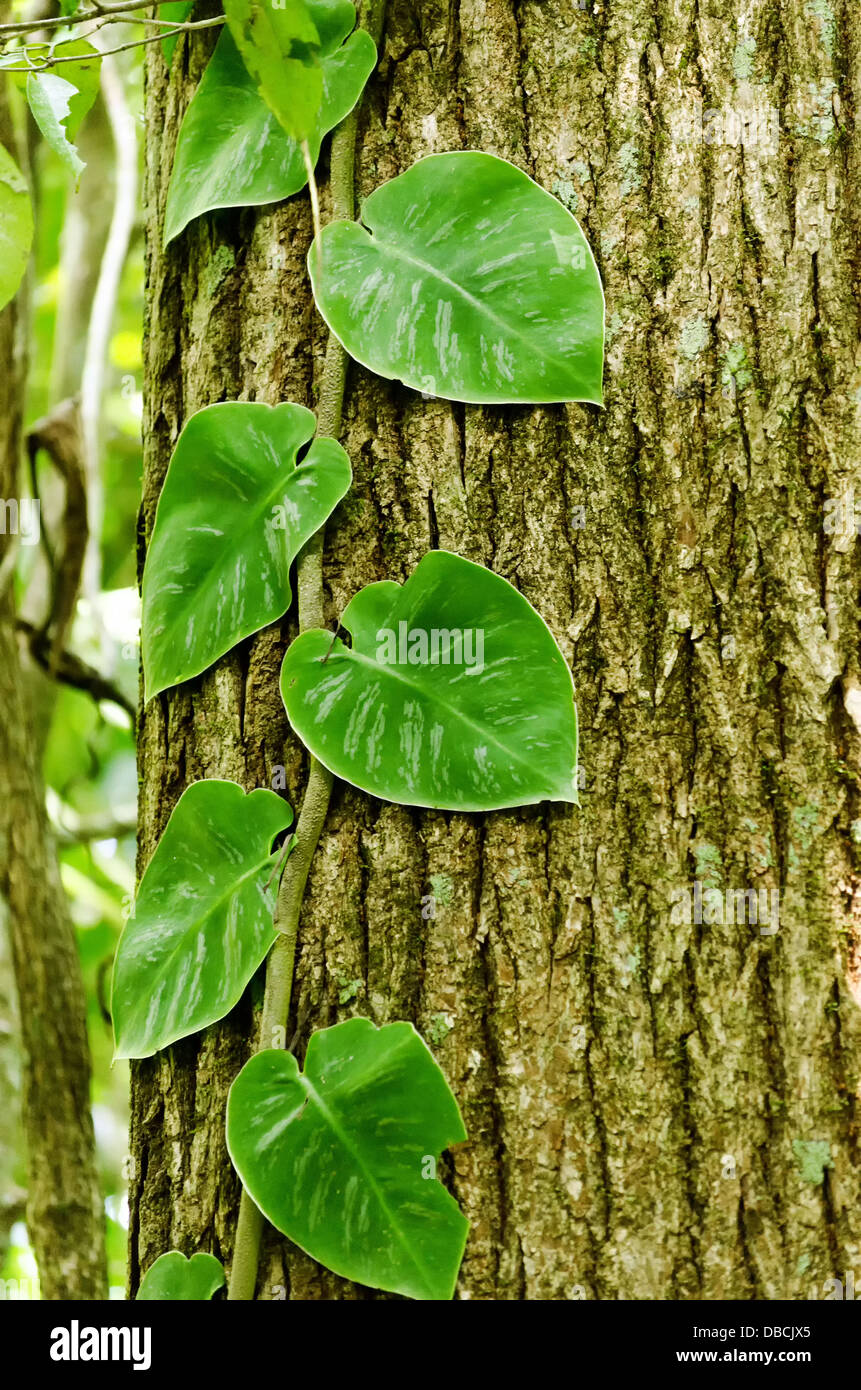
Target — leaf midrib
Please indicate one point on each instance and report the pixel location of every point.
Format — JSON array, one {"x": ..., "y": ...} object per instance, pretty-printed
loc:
[
  {"x": 477, "y": 304},
  {"x": 449, "y": 709},
  {"x": 356, "y": 1155}
]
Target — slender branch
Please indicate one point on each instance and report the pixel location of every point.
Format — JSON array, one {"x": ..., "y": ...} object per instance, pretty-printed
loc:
[
  {"x": 71, "y": 670},
  {"x": 38, "y": 64},
  {"x": 110, "y": 13},
  {"x": 309, "y": 587},
  {"x": 87, "y": 831}
]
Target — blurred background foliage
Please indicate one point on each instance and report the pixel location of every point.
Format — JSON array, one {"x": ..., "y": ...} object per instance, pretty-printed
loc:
[{"x": 89, "y": 752}]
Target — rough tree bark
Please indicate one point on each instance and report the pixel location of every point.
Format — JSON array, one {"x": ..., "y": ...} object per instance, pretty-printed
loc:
[{"x": 656, "y": 1109}]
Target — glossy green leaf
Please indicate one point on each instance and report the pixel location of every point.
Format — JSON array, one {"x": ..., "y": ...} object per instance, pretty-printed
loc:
[
  {"x": 202, "y": 920},
  {"x": 231, "y": 150},
  {"x": 342, "y": 1157},
  {"x": 467, "y": 281},
  {"x": 174, "y": 1278},
  {"x": 234, "y": 512},
  {"x": 16, "y": 226},
  {"x": 279, "y": 44},
  {"x": 453, "y": 695},
  {"x": 177, "y": 11}
]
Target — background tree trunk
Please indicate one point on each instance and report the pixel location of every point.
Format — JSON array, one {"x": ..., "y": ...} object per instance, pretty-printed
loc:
[
  {"x": 656, "y": 1109},
  {"x": 65, "y": 1218}
]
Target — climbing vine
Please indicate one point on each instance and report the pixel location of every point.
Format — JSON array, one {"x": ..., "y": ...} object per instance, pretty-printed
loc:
[{"x": 464, "y": 280}]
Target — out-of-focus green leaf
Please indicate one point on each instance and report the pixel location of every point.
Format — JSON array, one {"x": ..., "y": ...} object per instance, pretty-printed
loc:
[
  {"x": 177, "y": 11},
  {"x": 16, "y": 226},
  {"x": 85, "y": 77},
  {"x": 280, "y": 44},
  {"x": 61, "y": 98},
  {"x": 50, "y": 101}
]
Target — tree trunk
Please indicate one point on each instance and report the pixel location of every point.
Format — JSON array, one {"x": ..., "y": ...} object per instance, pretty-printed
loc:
[
  {"x": 657, "y": 1107},
  {"x": 65, "y": 1220}
]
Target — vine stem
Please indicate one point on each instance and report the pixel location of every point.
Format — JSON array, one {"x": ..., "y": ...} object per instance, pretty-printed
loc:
[
  {"x": 309, "y": 589},
  {"x": 315, "y": 201}
]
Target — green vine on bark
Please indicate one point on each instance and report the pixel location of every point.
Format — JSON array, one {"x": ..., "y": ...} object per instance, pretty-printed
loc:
[
  {"x": 309, "y": 585},
  {"x": 464, "y": 280}
]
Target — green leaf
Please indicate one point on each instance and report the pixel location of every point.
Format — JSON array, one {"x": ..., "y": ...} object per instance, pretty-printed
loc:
[
  {"x": 454, "y": 694},
  {"x": 234, "y": 512},
  {"x": 85, "y": 76},
  {"x": 50, "y": 99},
  {"x": 177, "y": 11},
  {"x": 279, "y": 44},
  {"x": 342, "y": 1157},
  {"x": 467, "y": 281},
  {"x": 16, "y": 226},
  {"x": 232, "y": 152},
  {"x": 60, "y": 100},
  {"x": 202, "y": 921},
  {"x": 172, "y": 1277}
]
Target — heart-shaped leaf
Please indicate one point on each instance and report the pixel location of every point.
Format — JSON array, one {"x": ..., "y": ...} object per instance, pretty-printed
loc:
[
  {"x": 232, "y": 152},
  {"x": 342, "y": 1157},
  {"x": 202, "y": 920},
  {"x": 467, "y": 281},
  {"x": 234, "y": 512},
  {"x": 172, "y": 1277},
  {"x": 279, "y": 43},
  {"x": 16, "y": 226},
  {"x": 453, "y": 695}
]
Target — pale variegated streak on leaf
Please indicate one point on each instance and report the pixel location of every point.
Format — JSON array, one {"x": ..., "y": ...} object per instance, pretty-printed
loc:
[
  {"x": 202, "y": 919},
  {"x": 172, "y": 1278},
  {"x": 446, "y": 733},
  {"x": 234, "y": 512},
  {"x": 232, "y": 151},
  {"x": 16, "y": 226},
  {"x": 467, "y": 281},
  {"x": 280, "y": 45},
  {"x": 336, "y": 1156}
]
